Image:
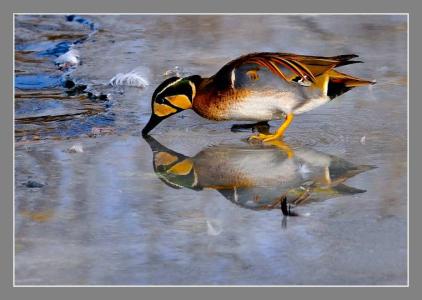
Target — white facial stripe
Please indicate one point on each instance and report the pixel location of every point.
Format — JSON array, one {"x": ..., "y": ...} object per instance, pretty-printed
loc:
[
  {"x": 193, "y": 89},
  {"x": 233, "y": 78},
  {"x": 169, "y": 85},
  {"x": 195, "y": 179}
]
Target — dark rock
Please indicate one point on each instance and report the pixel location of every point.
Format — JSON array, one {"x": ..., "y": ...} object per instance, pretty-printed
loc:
[
  {"x": 68, "y": 84},
  {"x": 102, "y": 97},
  {"x": 70, "y": 18},
  {"x": 33, "y": 184}
]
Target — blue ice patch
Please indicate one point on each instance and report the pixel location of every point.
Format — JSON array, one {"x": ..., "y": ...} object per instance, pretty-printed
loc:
[{"x": 36, "y": 81}]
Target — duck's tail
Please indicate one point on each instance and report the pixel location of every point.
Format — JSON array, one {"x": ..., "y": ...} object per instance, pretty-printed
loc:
[{"x": 339, "y": 83}]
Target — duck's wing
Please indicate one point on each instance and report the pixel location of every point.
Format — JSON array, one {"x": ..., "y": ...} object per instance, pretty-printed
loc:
[{"x": 287, "y": 66}]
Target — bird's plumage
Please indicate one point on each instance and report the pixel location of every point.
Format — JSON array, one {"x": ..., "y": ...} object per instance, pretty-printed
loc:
[
  {"x": 264, "y": 86},
  {"x": 260, "y": 87}
]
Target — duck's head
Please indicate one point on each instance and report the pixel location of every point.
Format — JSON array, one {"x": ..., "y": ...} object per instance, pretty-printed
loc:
[{"x": 172, "y": 96}]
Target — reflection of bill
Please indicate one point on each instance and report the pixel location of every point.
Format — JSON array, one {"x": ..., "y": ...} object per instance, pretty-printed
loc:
[{"x": 258, "y": 176}]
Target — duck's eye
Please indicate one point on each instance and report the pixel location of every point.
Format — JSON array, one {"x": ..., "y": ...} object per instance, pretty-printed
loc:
[{"x": 160, "y": 100}]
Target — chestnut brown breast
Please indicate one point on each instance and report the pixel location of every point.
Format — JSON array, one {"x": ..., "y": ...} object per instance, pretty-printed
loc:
[{"x": 215, "y": 104}]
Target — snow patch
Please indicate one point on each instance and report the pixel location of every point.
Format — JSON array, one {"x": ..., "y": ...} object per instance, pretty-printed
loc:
[{"x": 68, "y": 59}]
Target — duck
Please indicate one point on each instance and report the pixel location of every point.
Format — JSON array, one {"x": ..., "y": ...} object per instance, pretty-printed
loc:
[
  {"x": 257, "y": 176},
  {"x": 260, "y": 87}
]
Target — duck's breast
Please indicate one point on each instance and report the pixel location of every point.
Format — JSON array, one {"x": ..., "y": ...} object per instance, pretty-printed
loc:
[{"x": 256, "y": 95}]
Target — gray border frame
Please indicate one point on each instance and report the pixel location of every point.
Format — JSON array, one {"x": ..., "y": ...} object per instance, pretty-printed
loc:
[{"x": 6, "y": 150}]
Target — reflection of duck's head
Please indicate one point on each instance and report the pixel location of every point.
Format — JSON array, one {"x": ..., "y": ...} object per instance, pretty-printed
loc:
[
  {"x": 173, "y": 168},
  {"x": 256, "y": 176}
]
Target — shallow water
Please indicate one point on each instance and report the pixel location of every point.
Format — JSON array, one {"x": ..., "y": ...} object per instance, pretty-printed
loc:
[{"x": 115, "y": 213}]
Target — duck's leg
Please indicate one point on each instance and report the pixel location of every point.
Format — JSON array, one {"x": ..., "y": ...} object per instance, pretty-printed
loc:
[
  {"x": 283, "y": 147},
  {"x": 262, "y": 126},
  {"x": 279, "y": 133}
]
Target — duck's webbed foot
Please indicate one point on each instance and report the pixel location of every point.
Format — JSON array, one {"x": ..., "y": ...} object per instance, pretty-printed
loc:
[
  {"x": 263, "y": 137},
  {"x": 262, "y": 127},
  {"x": 278, "y": 134}
]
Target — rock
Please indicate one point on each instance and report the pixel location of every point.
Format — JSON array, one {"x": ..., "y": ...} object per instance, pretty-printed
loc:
[
  {"x": 68, "y": 84},
  {"x": 33, "y": 184}
]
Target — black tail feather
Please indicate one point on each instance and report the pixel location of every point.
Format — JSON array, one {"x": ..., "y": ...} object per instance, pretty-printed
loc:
[
  {"x": 336, "y": 89},
  {"x": 344, "y": 57}
]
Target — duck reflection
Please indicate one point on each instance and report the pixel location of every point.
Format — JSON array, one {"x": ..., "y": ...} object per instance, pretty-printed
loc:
[{"x": 258, "y": 176}]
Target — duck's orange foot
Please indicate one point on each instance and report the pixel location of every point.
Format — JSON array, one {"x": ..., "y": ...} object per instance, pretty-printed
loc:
[
  {"x": 265, "y": 137},
  {"x": 278, "y": 134}
]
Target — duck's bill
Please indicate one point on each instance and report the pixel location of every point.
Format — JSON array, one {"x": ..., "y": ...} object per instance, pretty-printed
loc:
[{"x": 153, "y": 121}]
